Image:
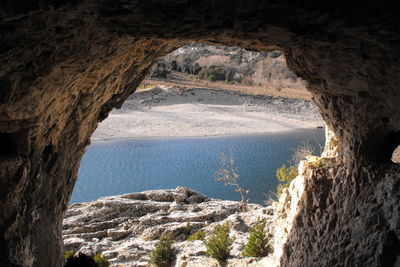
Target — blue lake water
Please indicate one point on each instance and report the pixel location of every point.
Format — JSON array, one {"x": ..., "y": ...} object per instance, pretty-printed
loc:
[{"x": 123, "y": 166}]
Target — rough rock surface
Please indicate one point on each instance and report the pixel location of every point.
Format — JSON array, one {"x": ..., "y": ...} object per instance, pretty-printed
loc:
[
  {"x": 65, "y": 64},
  {"x": 317, "y": 211},
  {"x": 125, "y": 228}
]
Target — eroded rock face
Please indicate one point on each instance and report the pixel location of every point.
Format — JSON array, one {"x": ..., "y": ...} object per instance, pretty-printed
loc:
[{"x": 65, "y": 65}]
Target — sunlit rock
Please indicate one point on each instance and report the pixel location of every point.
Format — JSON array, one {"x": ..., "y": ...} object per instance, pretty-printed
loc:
[{"x": 127, "y": 237}]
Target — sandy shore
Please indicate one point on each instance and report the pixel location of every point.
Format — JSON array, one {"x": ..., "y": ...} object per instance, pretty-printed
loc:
[{"x": 182, "y": 112}]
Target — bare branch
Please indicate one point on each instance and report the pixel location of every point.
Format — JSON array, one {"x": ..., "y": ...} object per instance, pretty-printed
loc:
[{"x": 228, "y": 174}]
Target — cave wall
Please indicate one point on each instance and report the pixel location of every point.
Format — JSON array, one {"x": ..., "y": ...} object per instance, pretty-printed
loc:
[
  {"x": 65, "y": 64},
  {"x": 336, "y": 218}
]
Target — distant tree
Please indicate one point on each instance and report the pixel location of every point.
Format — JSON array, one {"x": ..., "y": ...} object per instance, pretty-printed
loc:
[
  {"x": 188, "y": 64},
  {"x": 196, "y": 68},
  {"x": 230, "y": 74},
  {"x": 160, "y": 69}
]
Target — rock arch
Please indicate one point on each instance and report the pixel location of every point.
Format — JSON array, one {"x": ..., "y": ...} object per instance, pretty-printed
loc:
[{"x": 66, "y": 64}]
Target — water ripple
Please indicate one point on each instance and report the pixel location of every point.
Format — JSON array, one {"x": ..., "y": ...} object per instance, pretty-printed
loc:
[{"x": 117, "y": 167}]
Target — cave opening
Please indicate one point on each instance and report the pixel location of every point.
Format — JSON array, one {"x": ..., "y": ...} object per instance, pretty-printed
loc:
[
  {"x": 200, "y": 107},
  {"x": 219, "y": 97},
  {"x": 71, "y": 63}
]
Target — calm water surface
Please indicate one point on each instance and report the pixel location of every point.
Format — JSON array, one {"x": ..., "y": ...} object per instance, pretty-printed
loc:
[{"x": 123, "y": 166}]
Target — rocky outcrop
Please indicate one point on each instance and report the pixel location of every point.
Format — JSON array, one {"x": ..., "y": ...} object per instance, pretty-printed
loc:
[
  {"x": 321, "y": 212},
  {"x": 288, "y": 208},
  {"x": 125, "y": 228},
  {"x": 65, "y": 64}
]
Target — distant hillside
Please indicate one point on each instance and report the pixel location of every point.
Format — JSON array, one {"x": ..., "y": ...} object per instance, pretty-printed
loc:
[{"x": 232, "y": 65}]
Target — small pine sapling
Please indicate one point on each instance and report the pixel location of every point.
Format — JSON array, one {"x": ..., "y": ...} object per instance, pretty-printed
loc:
[
  {"x": 219, "y": 243},
  {"x": 257, "y": 244},
  {"x": 163, "y": 255}
]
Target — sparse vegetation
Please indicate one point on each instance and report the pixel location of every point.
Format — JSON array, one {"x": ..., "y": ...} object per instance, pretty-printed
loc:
[
  {"x": 230, "y": 65},
  {"x": 285, "y": 175},
  {"x": 163, "y": 254},
  {"x": 199, "y": 235},
  {"x": 302, "y": 152},
  {"x": 144, "y": 87},
  {"x": 257, "y": 244},
  {"x": 160, "y": 70},
  {"x": 216, "y": 73},
  {"x": 68, "y": 254},
  {"x": 101, "y": 261},
  {"x": 219, "y": 243},
  {"x": 212, "y": 74},
  {"x": 229, "y": 174}
]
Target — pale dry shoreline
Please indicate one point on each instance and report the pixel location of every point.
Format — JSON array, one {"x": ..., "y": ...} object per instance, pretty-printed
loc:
[{"x": 198, "y": 112}]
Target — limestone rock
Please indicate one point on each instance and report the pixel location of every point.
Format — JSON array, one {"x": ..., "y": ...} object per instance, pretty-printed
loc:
[{"x": 127, "y": 237}]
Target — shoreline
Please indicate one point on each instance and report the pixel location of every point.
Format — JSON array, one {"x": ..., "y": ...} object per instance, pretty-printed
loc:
[
  {"x": 176, "y": 112},
  {"x": 100, "y": 140}
]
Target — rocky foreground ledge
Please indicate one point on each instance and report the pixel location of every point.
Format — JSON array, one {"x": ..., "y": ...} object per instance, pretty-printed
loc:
[{"x": 125, "y": 228}]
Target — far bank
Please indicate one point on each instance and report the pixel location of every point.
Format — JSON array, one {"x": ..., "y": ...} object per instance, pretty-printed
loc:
[{"x": 188, "y": 112}]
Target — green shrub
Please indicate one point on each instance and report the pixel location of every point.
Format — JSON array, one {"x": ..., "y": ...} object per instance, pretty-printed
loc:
[
  {"x": 101, "y": 261},
  {"x": 163, "y": 254},
  {"x": 219, "y": 244},
  {"x": 199, "y": 235},
  {"x": 257, "y": 244},
  {"x": 68, "y": 254},
  {"x": 285, "y": 175},
  {"x": 213, "y": 73}
]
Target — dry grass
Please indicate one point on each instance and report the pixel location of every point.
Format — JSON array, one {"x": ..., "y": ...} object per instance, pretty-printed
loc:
[
  {"x": 179, "y": 79},
  {"x": 144, "y": 86}
]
